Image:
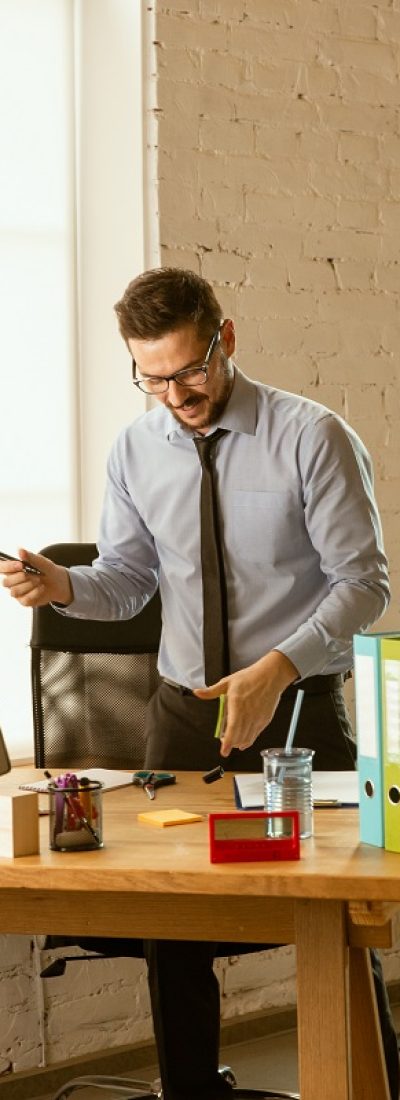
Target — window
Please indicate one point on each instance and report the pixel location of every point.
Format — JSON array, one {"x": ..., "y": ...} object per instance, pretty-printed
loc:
[
  {"x": 71, "y": 237},
  {"x": 36, "y": 313}
]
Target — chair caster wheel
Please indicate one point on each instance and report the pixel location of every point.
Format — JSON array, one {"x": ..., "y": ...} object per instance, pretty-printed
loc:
[{"x": 228, "y": 1075}]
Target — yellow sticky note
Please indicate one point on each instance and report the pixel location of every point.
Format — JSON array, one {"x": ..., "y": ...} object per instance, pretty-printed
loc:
[{"x": 161, "y": 818}]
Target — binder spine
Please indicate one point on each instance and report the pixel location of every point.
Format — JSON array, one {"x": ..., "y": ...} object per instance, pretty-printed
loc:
[
  {"x": 368, "y": 690},
  {"x": 391, "y": 740}
]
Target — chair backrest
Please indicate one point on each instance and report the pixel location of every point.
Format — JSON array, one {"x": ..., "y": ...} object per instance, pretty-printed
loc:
[{"x": 91, "y": 680}]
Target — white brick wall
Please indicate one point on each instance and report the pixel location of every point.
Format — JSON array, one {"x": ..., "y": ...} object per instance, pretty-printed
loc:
[
  {"x": 279, "y": 180},
  {"x": 21, "y": 1017},
  {"x": 94, "y": 1006}
]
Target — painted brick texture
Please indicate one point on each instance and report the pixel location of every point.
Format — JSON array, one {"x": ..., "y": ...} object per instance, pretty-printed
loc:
[{"x": 279, "y": 180}]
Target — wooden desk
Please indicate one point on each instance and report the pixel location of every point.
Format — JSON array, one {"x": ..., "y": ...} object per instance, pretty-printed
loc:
[{"x": 338, "y": 899}]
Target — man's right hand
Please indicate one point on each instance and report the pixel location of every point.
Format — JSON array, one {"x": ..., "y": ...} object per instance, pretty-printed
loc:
[{"x": 52, "y": 586}]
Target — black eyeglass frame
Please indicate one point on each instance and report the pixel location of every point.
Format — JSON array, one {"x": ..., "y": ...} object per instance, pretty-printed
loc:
[{"x": 179, "y": 377}]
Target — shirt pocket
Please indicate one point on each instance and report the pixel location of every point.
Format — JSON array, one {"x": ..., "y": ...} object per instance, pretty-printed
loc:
[{"x": 266, "y": 526}]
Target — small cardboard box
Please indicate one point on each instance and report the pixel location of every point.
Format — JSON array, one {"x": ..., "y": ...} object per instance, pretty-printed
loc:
[{"x": 19, "y": 824}]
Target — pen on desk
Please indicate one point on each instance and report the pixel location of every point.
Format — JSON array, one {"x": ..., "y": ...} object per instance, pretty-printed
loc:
[
  {"x": 326, "y": 803},
  {"x": 148, "y": 786}
]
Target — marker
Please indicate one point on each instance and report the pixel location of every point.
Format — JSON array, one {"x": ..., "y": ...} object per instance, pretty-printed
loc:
[
  {"x": 220, "y": 718},
  {"x": 215, "y": 773}
]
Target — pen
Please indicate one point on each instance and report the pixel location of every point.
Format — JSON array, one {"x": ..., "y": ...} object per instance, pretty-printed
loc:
[
  {"x": 27, "y": 568},
  {"x": 148, "y": 786},
  {"x": 326, "y": 803},
  {"x": 84, "y": 795},
  {"x": 75, "y": 805}
]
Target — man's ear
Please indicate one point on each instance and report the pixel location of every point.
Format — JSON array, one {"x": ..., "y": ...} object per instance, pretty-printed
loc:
[{"x": 228, "y": 339}]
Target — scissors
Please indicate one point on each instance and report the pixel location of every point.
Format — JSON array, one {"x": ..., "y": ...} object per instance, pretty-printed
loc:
[{"x": 149, "y": 780}]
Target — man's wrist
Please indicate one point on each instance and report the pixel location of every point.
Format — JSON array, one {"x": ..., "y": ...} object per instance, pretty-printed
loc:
[
  {"x": 280, "y": 669},
  {"x": 65, "y": 592}
]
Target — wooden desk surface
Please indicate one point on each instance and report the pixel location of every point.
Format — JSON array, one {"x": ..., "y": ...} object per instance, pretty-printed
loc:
[
  {"x": 333, "y": 864},
  {"x": 338, "y": 898}
]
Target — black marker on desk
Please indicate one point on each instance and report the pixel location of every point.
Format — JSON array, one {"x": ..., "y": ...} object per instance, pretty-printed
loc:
[{"x": 215, "y": 773}]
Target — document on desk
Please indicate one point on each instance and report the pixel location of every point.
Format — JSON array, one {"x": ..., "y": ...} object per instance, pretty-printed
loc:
[
  {"x": 330, "y": 789},
  {"x": 109, "y": 778}
]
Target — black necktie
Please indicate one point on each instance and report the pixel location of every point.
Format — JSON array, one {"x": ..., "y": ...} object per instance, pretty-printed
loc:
[{"x": 215, "y": 614}]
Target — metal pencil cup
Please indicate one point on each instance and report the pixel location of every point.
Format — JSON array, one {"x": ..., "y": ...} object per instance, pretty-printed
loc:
[
  {"x": 76, "y": 820},
  {"x": 288, "y": 783}
]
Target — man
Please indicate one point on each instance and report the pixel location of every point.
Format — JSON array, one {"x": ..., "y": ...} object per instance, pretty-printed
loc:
[{"x": 302, "y": 568}]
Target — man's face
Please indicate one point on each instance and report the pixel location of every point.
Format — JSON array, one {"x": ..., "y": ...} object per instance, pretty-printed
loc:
[{"x": 196, "y": 407}]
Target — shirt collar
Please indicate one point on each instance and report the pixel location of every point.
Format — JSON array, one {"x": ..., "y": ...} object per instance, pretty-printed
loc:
[{"x": 239, "y": 415}]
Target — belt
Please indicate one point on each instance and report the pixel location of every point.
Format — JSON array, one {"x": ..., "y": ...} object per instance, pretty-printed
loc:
[
  {"x": 312, "y": 685},
  {"x": 177, "y": 687},
  {"x": 319, "y": 685}
]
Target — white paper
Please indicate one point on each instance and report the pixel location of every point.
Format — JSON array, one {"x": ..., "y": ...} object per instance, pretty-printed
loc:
[{"x": 341, "y": 787}]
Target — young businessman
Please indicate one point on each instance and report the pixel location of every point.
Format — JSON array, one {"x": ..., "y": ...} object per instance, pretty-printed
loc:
[{"x": 302, "y": 569}]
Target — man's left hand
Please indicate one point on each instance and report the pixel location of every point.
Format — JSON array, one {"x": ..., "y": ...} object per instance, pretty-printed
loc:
[{"x": 252, "y": 696}]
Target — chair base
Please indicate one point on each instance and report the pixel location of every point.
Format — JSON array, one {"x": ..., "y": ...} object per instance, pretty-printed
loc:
[
  {"x": 252, "y": 1094},
  {"x": 263, "y": 1094},
  {"x": 129, "y": 1089},
  {"x": 123, "y": 1087}
]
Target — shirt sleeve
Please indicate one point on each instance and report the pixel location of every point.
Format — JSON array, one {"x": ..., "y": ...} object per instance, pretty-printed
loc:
[
  {"x": 344, "y": 527},
  {"x": 125, "y": 575}
]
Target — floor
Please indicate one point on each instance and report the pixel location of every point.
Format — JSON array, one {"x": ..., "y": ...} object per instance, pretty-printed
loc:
[
  {"x": 262, "y": 1062},
  {"x": 267, "y": 1062}
]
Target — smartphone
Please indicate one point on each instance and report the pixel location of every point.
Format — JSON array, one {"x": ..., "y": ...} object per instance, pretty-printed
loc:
[{"x": 27, "y": 568}]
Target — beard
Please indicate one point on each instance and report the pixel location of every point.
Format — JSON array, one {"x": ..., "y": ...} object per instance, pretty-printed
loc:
[
  {"x": 212, "y": 413},
  {"x": 213, "y": 409}
]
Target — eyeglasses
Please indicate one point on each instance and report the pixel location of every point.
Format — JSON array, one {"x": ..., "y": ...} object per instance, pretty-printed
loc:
[{"x": 189, "y": 376}]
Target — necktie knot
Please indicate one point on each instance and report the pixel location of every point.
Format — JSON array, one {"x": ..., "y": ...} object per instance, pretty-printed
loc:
[{"x": 205, "y": 444}]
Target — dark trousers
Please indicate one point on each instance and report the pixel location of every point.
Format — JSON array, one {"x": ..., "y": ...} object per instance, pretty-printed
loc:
[
  {"x": 180, "y": 730},
  {"x": 183, "y": 988}
]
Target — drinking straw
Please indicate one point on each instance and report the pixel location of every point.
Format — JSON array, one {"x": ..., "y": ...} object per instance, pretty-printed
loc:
[
  {"x": 292, "y": 730},
  {"x": 294, "y": 720}
]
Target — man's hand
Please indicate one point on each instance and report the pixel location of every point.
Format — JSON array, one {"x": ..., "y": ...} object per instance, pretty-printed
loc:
[
  {"x": 252, "y": 695},
  {"x": 52, "y": 586}
]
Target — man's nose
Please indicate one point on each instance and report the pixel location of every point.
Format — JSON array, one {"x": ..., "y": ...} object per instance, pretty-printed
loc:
[{"x": 176, "y": 393}]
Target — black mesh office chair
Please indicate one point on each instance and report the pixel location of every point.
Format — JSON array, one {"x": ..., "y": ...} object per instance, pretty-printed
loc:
[{"x": 91, "y": 682}]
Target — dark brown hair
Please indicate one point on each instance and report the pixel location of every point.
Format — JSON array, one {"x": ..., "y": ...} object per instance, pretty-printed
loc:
[{"x": 164, "y": 299}]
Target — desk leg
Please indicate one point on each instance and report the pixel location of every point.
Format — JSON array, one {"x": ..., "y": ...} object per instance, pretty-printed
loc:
[
  {"x": 322, "y": 999},
  {"x": 369, "y": 1066}
]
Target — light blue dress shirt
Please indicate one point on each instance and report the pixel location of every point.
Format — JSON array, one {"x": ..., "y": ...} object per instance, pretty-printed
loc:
[{"x": 304, "y": 557}]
